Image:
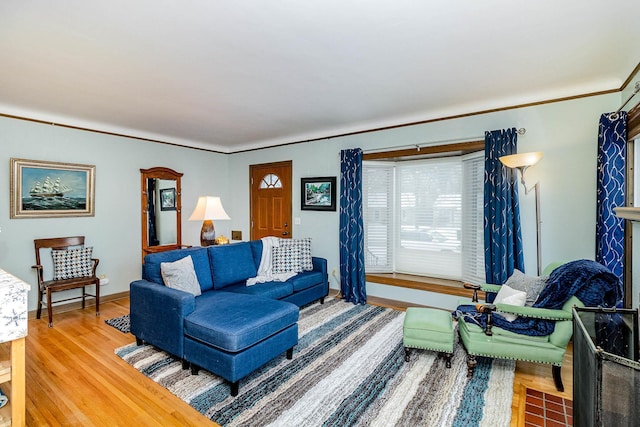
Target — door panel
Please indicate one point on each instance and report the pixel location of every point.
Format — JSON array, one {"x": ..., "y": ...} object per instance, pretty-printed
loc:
[{"x": 270, "y": 199}]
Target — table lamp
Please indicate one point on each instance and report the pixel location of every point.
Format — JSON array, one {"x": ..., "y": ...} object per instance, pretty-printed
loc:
[{"x": 208, "y": 209}]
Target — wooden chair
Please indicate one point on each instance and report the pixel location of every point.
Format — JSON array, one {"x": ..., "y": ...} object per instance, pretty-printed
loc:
[{"x": 50, "y": 286}]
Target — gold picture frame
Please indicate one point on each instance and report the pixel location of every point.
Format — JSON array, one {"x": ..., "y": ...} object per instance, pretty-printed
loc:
[{"x": 41, "y": 189}]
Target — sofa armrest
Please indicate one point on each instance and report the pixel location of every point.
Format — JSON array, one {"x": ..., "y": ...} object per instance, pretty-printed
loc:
[
  {"x": 157, "y": 314},
  {"x": 320, "y": 264}
]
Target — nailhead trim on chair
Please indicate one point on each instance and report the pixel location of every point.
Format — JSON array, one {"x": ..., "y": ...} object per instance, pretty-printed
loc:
[
  {"x": 492, "y": 356},
  {"x": 426, "y": 348},
  {"x": 557, "y": 319}
]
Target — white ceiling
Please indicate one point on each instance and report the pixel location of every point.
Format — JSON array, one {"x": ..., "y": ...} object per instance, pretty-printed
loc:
[{"x": 240, "y": 74}]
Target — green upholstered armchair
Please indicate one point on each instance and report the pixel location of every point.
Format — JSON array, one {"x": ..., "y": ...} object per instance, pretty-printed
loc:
[{"x": 496, "y": 342}]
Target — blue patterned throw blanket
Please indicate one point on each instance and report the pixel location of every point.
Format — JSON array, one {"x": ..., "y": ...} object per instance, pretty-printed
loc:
[{"x": 591, "y": 282}]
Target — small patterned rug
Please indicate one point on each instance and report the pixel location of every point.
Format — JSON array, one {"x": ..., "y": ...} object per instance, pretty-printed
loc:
[
  {"x": 348, "y": 369},
  {"x": 121, "y": 323}
]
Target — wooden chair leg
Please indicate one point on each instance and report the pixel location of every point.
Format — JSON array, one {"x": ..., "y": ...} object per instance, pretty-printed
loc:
[
  {"x": 49, "y": 308},
  {"x": 447, "y": 359},
  {"x": 557, "y": 377},
  {"x": 39, "y": 311},
  {"x": 407, "y": 354},
  {"x": 98, "y": 298},
  {"x": 84, "y": 296},
  {"x": 471, "y": 365}
]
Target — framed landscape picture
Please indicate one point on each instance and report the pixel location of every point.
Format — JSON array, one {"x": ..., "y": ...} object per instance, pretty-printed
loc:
[
  {"x": 168, "y": 199},
  {"x": 318, "y": 194},
  {"x": 41, "y": 189}
]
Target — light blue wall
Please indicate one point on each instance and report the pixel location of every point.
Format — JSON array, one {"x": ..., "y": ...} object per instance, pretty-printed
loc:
[
  {"x": 115, "y": 229},
  {"x": 636, "y": 225},
  {"x": 567, "y": 133}
]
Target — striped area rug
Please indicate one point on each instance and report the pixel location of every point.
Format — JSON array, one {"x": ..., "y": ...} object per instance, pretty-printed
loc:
[{"x": 348, "y": 369}]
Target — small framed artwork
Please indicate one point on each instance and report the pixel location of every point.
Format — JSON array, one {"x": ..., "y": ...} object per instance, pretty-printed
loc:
[
  {"x": 41, "y": 189},
  {"x": 318, "y": 194},
  {"x": 168, "y": 199}
]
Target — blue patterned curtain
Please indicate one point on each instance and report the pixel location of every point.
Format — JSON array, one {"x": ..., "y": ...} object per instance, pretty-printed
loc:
[
  {"x": 352, "y": 275},
  {"x": 502, "y": 232},
  {"x": 612, "y": 153}
]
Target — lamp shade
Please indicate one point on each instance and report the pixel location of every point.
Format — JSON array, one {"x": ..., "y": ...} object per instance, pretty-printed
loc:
[
  {"x": 208, "y": 208},
  {"x": 521, "y": 159}
]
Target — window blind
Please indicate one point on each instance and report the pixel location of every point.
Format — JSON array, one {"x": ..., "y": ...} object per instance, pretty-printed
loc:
[
  {"x": 429, "y": 213},
  {"x": 473, "y": 219},
  {"x": 377, "y": 186}
]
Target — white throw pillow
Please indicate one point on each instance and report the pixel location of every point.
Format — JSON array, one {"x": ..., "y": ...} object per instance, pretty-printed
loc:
[
  {"x": 510, "y": 296},
  {"x": 180, "y": 275},
  {"x": 532, "y": 285}
]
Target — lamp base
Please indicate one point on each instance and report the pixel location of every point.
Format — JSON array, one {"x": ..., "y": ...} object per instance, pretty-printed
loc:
[{"x": 207, "y": 233}]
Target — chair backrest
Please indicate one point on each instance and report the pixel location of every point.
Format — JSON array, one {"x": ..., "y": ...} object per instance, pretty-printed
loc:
[
  {"x": 56, "y": 243},
  {"x": 552, "y": 266}
]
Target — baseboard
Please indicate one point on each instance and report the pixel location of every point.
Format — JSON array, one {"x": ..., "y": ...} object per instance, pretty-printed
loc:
[
  {"x": 384, "y": 302},
  {"x": 77, "y": 305}
]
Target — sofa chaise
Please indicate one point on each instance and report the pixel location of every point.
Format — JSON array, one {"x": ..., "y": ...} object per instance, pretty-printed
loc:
[{"x": 230, "y": 329}]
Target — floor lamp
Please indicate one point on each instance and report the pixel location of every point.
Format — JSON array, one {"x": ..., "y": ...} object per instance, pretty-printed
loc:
[
  {"x": 522, "y": 162},
  {"x": 208, "y": 209}
]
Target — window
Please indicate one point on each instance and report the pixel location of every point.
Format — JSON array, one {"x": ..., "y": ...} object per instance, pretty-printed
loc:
[
  {"x": 425, "y": 217},
  {"x": 271, "y": 181}
]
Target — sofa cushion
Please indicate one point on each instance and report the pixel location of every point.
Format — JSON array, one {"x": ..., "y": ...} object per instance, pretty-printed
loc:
[
  {"x": 273, "y": 290},
  {"x": 180, "y": 275},
  {"x": 305, "y": 280},
  {"x": 233, "y": 322},
  {"x": 256, "y": 250},
  {"x": 231, "y": 264},
  {"x": 151, "y": 267}
]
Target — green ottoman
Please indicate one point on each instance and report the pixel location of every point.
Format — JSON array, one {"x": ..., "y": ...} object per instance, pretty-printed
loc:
[{"x": 428, "y": 329}]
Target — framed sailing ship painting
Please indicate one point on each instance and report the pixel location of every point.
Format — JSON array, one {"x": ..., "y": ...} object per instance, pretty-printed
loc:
[{"x": 42, "y": 189}]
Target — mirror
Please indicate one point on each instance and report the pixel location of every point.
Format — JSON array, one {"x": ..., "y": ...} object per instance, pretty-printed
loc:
[{"x": 161, "y": 210}]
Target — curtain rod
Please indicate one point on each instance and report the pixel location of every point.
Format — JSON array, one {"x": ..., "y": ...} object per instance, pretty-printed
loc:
[
  {"x": 520, "y": 131},
  {"x": 614, "y": 116}
]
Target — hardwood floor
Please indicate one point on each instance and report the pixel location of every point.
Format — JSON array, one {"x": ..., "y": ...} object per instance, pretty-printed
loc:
[{"x": 75, "y": 379}]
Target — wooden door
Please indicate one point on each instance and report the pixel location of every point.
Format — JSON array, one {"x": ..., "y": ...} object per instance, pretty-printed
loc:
[{"x": 271, "y": 200}]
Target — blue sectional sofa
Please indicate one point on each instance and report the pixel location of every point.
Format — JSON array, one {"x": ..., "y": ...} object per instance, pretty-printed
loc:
[{"x": 231, "y": 329}]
